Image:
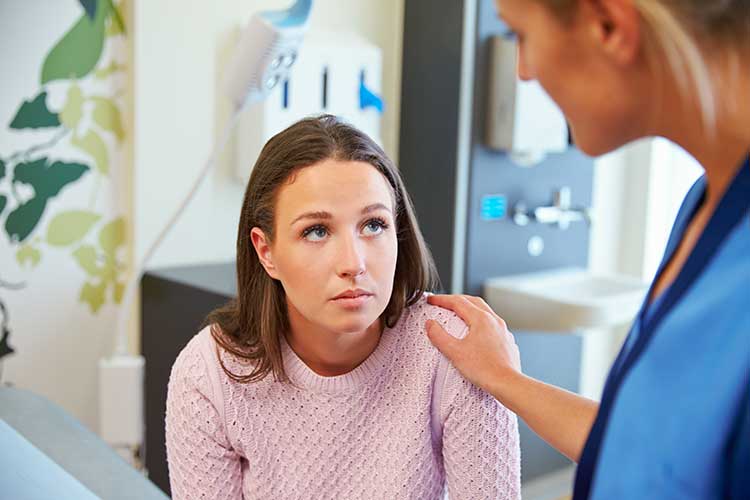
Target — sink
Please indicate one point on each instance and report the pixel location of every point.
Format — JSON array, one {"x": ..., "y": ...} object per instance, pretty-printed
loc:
[{"x": 564, "y": 300}]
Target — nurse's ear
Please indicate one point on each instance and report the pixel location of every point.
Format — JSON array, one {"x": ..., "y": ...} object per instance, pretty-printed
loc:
[
  {"x": 616, "y": 28},
  {"x": 263, "y": 248}
]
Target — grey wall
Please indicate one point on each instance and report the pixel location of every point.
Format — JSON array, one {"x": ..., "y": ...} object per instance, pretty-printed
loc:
[{"x": 428, "y": 160}]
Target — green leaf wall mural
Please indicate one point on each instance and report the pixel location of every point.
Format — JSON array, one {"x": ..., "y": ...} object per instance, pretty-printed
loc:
[
  {"x": 76, "y": 54},
  {"x": 89, "y": 123},
  {"x": 34, "y": 114}
]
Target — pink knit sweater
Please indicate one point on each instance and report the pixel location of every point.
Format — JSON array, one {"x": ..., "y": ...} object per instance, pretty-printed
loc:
[{"x": 402, "y": 425}]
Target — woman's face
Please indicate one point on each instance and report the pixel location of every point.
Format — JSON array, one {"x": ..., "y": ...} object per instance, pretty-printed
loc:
[
  {"x": 335, "y": 235},
  {"x": 586, "y": 69}
]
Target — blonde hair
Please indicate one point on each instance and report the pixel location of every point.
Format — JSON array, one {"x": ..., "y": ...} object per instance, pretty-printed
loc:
[{"x": 684, "y": 32}]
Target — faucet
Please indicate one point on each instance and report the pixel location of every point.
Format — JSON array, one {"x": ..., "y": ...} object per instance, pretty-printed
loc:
[{"x": 560, "y": 213}]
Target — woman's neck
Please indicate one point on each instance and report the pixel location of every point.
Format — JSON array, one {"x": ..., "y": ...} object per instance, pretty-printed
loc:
[
  {"x": 721, "y": 149},
  {"x": 330, "y": 353}
]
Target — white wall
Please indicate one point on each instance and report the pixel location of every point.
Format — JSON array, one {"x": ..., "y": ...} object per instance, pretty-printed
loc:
[
  {"x": 173, "y": 86},
  {"x": 179, "y": 110}
]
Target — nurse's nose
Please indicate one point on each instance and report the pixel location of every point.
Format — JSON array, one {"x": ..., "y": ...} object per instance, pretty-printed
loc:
[{"x": 351, "y": 258}]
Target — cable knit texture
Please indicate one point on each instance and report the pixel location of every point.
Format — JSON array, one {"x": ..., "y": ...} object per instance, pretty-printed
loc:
[{"x": 402, "y": 425}]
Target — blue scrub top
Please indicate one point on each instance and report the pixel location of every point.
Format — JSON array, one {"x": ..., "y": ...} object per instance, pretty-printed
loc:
[{"x": 674, "y": 421}]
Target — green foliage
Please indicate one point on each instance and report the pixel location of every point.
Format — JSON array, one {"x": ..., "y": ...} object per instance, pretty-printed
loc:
[
  {"x": 35, "y": 114},
  {"x": 102, "y": 268},
  {"x": 93, "y": 294},
  {"x": 107, "y": 116},
  {"x": 112, "y": 236},
  {"x": 73, "y": 109},
  {"x": 70, "y": 227},
  {"x": 28, "y": 255},
  {"x": 93, "y": 145},
  {"x": 85, "y": 256},
  {"x": 74, "y": 56},
  {"x": 47, "y": 180},
  {"x": 90, "y": 7},
  {"x": 77, "y": 53}
]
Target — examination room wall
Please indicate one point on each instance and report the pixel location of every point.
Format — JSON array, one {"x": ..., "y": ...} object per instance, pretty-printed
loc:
[
  {"x": 64, "y": 236},
  {"x": 166, "y": 86},
  {"x": 180, "y": 110},
  {"x": 165, "y": 109}
]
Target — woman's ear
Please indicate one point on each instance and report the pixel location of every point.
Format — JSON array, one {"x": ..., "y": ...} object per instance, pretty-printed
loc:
[
  {"x": 263, "y": 249},
  {"x": 616, "y": 26}
]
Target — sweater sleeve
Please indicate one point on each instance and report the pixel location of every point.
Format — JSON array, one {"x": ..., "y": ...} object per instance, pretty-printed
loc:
[
  {"x": 481, "y": 450},
  {"x": 202, "y": 462}
]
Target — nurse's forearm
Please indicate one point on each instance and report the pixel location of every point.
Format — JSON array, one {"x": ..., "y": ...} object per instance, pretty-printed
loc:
[{"x": 563, "y": 419}]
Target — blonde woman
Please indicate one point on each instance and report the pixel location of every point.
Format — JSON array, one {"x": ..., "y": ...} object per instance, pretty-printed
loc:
[
  {"x": 317, "y": 381},
  {"x": 674, "y": 418}
]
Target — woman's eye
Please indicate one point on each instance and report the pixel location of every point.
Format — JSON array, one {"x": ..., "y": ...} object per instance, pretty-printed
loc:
[
  {"x": 315, "y": 233},
  {"x": 375, "y": 226}
]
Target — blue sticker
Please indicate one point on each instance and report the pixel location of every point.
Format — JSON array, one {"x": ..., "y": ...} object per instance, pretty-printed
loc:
[{"x": 494, "y": 207}]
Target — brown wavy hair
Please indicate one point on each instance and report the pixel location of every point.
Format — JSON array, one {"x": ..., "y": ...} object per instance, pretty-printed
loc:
[{"x": 250, "y": 325}]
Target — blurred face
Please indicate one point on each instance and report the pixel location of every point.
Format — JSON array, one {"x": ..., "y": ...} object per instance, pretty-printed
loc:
[
  {"x": 335, "y": 246},
  {"x": 587, "y": 66}
]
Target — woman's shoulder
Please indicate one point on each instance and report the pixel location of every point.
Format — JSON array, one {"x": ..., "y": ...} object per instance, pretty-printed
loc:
[
  {"x": 416, "y": 315},
  {"x": 191, "y": 357}
]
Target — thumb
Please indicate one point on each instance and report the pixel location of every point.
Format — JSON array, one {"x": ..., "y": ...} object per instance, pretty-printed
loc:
[{"x": 444, "y": 341}]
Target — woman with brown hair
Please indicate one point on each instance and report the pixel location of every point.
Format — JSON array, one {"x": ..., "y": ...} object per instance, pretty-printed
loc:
[
  {"x": 674, "y": 418},
  {"x": 318, "y": 381}
]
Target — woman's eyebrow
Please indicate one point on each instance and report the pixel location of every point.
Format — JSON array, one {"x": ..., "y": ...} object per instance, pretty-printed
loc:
[
  {"x": 313, "y": 215},
  {"x": 373, "y": 207},
  {"x": 327, "y": 215}
]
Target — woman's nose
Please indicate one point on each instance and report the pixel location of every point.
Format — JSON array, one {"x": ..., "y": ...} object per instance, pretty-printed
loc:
[{"x": 351, "y": 259}]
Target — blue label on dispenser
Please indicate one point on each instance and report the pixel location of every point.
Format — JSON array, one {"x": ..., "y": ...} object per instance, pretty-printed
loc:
[{"x": 494, "y": 207}]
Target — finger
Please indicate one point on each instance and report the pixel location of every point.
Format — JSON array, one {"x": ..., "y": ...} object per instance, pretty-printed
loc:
[
  {"x": 444, "y": 341},
  {"x": 466, "y": 310},
  {"x": 481, "y": 304}
]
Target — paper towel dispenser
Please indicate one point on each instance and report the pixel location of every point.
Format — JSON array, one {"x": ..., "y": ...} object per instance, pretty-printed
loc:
[{"x": 522, "y": 120}]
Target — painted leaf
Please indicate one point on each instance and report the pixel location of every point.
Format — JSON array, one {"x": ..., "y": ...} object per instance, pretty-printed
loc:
[
  {"x": 93, "y": 295},
  {"x": 90, "y": 7},
  {"x": 3, "y": 202},
  {"x": 118, "y": 291},
  {"x": 35, "y": 114},
  {"x": 77, "y": 53},
  {"x": 85, "y": 256},
  {"x": 47, "y": 181},
  {"x": 93, "y": 145},
  {"x": 69, "y": 227},
  {"x": 107, "y": 116},
  {"x": 112, "y": 236},
  {"x": 22, "y": 221},
  {"x": 28, "y": 255},
  {"x": 109, "y": 269},
  {"x": 73, "y": 109},
  {"x": 113, "y": 67},
  {"x": 2, "y": 169},
  {"x": 115, "y": 26}
]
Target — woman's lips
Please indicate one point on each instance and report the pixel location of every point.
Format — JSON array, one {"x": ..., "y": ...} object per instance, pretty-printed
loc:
[{"x": 353, "y": 302}]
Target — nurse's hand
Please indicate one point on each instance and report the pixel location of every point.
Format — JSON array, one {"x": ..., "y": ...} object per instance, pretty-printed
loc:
[
  {"x": 488, "y": 357},
  {"x": 488, "y": 353}
]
